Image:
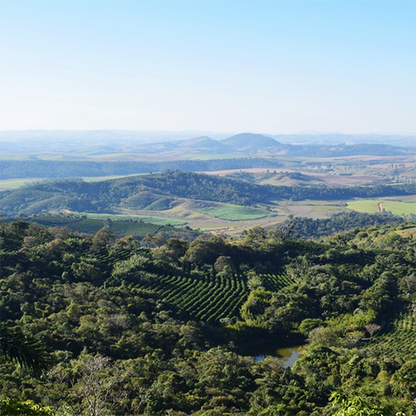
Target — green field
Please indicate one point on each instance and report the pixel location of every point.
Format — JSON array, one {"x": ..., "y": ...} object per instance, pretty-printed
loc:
[
  {"x": 395, "y": 207},
  {"x": 232, "y": 212},
  {"x": 18, "y": 183}
]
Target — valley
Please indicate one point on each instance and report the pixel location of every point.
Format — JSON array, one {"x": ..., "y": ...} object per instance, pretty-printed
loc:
[
  {"x": 165, "y": 271},
  {"x": 235, "y": 212}
]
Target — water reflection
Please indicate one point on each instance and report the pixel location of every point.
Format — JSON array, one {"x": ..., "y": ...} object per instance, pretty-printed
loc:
[{"x": 287, "y": 355}]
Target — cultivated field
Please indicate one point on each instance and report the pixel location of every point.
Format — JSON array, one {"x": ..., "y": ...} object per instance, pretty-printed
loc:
[
  {"x": 402, "y": 206},
  {"x": 232, "y": 212}
]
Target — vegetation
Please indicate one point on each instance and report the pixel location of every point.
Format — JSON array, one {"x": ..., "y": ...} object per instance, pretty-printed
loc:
[
  {"x": 161, "y": 191},
  {"x": 394, "y": 207},
  {"x": 153, "y": 327},
  {"x": 140, "y": 218},
  {"x": 17, "y": 348},
  {"x": 120, "y": 227},
  {"x": 234, "y": 212},
  {"x": 14, "y": 169},
  {"x": 310, "y": 228}
]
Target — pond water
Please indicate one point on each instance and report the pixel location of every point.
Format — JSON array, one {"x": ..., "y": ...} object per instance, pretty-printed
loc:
[{"x": 288, "y": 354}]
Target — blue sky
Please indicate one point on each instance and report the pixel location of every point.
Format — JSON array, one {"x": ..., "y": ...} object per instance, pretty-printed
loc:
[{"x": 226, "y": 66}]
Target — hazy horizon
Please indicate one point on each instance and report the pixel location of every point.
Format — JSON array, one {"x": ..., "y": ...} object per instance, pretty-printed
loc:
[{"x": 36, "y": 139}]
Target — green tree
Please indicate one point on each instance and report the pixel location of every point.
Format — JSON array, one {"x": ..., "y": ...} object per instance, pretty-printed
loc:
[
  {"x": 103, "y": 237},
  {"x": 23, "y": 350},
  {"x": 13, "y": 407},
  {"x": 355, "y": 406}
]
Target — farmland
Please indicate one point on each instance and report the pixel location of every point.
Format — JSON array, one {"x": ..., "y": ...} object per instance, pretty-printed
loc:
[
  {"x": 395, "y": 206},
  {"x": 399, "y": 341},
  {"x": 211, "y": 298},
  {"x": 120, "y": 225},
  {"x": 232, "y": 212}
]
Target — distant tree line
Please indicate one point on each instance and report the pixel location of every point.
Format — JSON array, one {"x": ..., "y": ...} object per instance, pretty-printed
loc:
[
  {"x": 13, "y": 169},
  {"x": 303, "y": 227}
]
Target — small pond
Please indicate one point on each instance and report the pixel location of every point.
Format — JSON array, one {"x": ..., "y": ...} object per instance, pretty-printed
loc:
[{"x": 287, "y": 353}]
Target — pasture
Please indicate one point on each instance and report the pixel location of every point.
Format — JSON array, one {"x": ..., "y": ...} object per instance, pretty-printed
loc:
[
  {"x": 232, "y": 212},
  {"x": 396, "y": 207}
]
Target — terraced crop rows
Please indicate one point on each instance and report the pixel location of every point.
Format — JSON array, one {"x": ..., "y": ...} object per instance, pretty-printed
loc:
[
  {"x": 400, "y": 342},
  {"x": 210, "y": 298},
  {"x": 275, "y": 282},
  {"x": 206, "y": 298}
]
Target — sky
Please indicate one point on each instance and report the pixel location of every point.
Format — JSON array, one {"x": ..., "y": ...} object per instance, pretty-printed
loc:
[{"x": 277, "y": 67}]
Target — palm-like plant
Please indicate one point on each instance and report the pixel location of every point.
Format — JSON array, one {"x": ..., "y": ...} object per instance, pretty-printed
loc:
[{"x": 23, "y": 350}]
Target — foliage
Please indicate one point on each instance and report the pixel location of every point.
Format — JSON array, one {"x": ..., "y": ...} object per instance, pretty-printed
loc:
[
  {"x": 65, "y": 169},
  {"x": 234, "y": 212},
  {"x": 157, "y": 330},
  {"x": 303, "y": 227},
  {"x": 10, "y": 407},
  {"x": 23, "y": 350},
  {"x": 354, "y": 407},
  {"x": 112, "y": 195},
  {"x": 119, "y": 225}
]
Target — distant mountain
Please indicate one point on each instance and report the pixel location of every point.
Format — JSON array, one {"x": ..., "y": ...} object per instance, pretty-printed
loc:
[
  {"x": 205, "y": 144},
  {"x": 253, "y": 143},
  {"x": 124, "y": 145},
  {"x": 196, "y": 145}
]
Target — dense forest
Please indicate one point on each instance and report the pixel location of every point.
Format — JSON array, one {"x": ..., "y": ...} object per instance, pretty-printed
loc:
[
  {"x": 304, "y": 227},
  {"x": 158, "y": 326},
  {"x": 140, "y": 191}
]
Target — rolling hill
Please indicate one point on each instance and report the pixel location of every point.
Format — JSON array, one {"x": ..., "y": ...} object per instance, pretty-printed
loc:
[
  {"x": 254, "y": 143},
  {"x": 162, "y": 191}
]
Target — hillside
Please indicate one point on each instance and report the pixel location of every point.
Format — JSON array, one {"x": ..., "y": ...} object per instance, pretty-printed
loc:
[
  {"x": 205, "y": 144},
  {"x": 158, "y": 327},
  {"x": 253, "y": 143},
  {"x": 163, "y": 191},
  {"x": 13, "y": 169},
  {"x": 200, "y": 147}
]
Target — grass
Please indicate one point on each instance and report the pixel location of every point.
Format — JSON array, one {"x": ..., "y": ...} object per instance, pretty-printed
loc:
[
  {"x": 232, "y": 212},
  {"x": 106, "y": 178},
  {"x": 395, "y": 207},
  {"x": 17, "y": 183}
]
